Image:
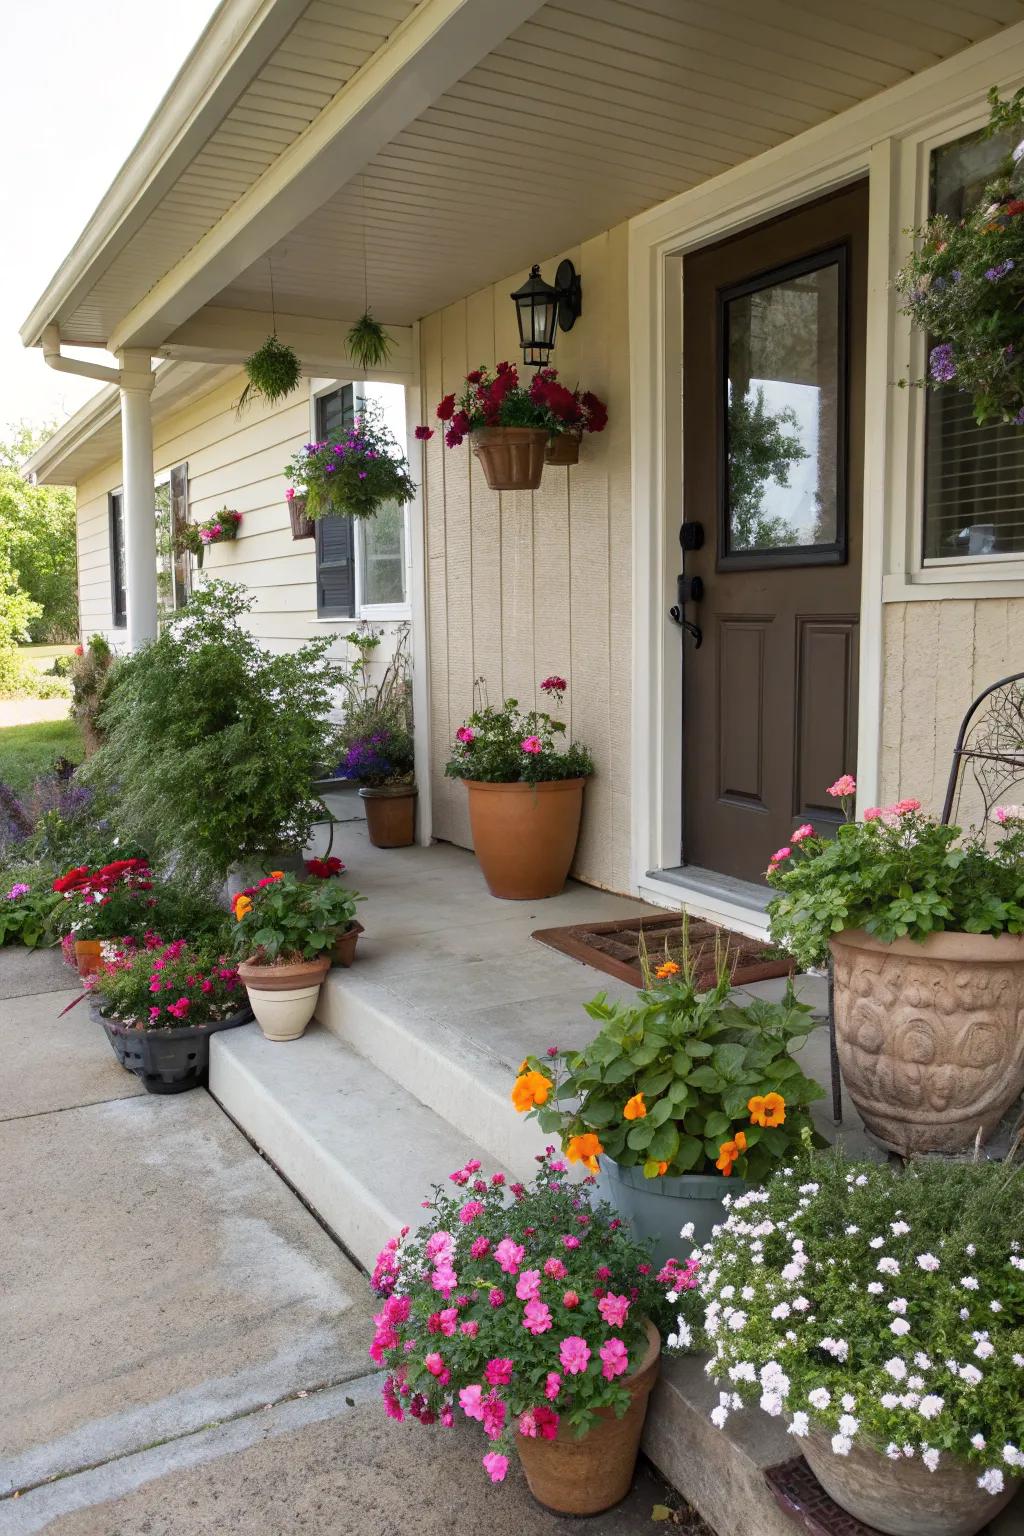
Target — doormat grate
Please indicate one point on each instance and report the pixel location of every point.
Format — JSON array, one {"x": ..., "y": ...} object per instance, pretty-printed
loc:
[
  {"x": 798, "y": 1492},
  {"x": 615, "y": 948}
]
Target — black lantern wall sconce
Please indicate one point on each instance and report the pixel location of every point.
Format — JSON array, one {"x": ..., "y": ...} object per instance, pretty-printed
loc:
[{"x": 539, "y": 307}]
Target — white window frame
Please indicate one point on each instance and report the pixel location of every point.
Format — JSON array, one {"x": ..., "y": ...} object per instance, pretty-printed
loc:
[{"x": 374, "y": 612}]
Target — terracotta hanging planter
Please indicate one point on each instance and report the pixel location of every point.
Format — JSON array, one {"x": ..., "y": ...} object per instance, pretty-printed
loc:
[
  {"x": 524, "y": 835},
  {"x": 345, "y": 945},
  {"x": 512, "y": 458},
  {"x": 284, "y": 997},
  {"x": 574, "y": 1475},
  {"x": 929, "y": 1036},
  {"x": 390, "y": 814},
  {"x": 563, "y": 448},
  {"x": 303, "y": 527}
]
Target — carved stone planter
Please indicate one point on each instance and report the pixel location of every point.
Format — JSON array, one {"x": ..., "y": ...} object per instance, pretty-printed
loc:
[{"x": 929, "y": 1035}]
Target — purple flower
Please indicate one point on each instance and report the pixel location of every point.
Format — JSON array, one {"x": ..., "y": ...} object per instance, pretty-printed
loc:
[
  {"x": 19, "y": 889},
  {"x": 999, "y": 270},
  {"x": 941, "y": 363},
  {"x": 362, "y": 474}
]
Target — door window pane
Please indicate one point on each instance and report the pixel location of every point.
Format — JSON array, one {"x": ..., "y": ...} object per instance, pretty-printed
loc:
[
  {"x": 784, "y": 412},
  {"x": 974, "y": 476},
  {"x": 382, "y": 555}
]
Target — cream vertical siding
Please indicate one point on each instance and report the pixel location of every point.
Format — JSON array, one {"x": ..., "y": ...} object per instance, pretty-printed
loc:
[
  {"x": 938, "y": 657},
  {"x": 522, "y": 585},
  {"x": 234, "y": 461}
]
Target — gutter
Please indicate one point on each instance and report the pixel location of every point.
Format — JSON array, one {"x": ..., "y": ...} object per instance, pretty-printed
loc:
[{"x": 54, "y": 358}]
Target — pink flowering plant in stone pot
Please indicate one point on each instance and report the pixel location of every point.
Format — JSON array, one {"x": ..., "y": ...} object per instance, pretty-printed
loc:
[
  {"x": 526, "y": 1309},
  {"x": 926, "y": 928},
  {"x": 879, "y": 1312}
]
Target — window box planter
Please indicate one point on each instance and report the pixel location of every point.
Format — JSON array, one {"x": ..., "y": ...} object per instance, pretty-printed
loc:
[
  {"x": 512, "y": 458},
  {"x": 660, "y": 1208},
  {"x": 345, "y": 945},
  {"x": 166, "y": 1060},
  {"x": 563, "y": 448},
  {"x": 524, "y": 835},
  {"x": 284, "y": 997},
  {"x": 928, "y": 1034},
  {"x": 390, "y": 814},
  {"x": 570, "y": 1475},
  {"x": 303, "y": 527}
]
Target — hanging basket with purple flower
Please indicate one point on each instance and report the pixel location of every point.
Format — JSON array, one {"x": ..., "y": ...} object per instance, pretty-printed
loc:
[
  {"x": 354, "y": 472},
  {"x": 964, "y": 286}
]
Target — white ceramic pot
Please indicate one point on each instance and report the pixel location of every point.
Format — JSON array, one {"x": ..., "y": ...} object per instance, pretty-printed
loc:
[{"x": 283, "y": 997}]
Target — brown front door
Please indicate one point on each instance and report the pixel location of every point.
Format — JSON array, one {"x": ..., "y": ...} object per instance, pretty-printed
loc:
[{"x": 773, "y": 383}]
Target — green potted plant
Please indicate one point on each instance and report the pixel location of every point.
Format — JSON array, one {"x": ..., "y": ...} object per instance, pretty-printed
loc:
[
  {"x": 514, "y": 428},
  {"x": 376, "y": 740},
  {"x": 926, "y": 929},
  {"x": 353, "y": 473},
  {"x": 195, "y": 538},
  {"x": 532, "y": 1317},
  {"x": 879, "y": 1311},
  {"x": 679, "y": 1092},
  {"x": 525, "y": 794},
  {"x": 964, "y": 285},
  {"x": 113, "y": 901},
  {"x": 286, "y": 932},
  {"x": 160, "y": 1003},
  {"x": 272, "y": 372},
  {"x": 332, "y": 868}
]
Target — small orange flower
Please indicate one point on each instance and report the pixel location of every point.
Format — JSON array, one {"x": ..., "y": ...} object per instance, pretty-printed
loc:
[
  {"x": 240, "y": 906},
  {"x": 277, "y": 874},
  {"x": 636, "y": 1109},
  {"x": 662, "y": 1169},
  {"x": 729, "y": 1151},
  {"x": 666, "y": 969},
  {"x": 768, "y": 1109},
  {"x": 585, "y": 1149},
  {"x": 530, "y": 1088}
]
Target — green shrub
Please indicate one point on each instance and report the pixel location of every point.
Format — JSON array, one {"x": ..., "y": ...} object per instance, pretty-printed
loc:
[{"x": 20, "y": 680}]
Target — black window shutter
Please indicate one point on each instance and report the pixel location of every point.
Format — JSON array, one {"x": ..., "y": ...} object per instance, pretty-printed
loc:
[
  {"x": 118, "y": 589},
  {"x": 335, "y": 538}
]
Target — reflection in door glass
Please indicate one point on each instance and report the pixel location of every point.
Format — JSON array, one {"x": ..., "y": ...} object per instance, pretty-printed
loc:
[{"x": 784, "y": 410}]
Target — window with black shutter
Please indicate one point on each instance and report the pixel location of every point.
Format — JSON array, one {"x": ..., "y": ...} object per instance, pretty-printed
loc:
[
  {"x": 118, "y": 587},
  {"x": 335, "y": 542}
]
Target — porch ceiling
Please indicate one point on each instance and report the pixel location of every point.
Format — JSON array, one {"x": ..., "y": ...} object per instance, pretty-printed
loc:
[{"x": 589, "y": 113}]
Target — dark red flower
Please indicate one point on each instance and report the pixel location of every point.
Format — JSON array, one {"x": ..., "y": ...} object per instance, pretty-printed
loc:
[
  {"x": 424, "y": 433},
  {"x": 554, "y": 684},
  {"x": 475, "y": 376},
  {"x": 596, "y": 412},
  {"x": 508, "y": 370},
  {"x": 446, "y": 410}
]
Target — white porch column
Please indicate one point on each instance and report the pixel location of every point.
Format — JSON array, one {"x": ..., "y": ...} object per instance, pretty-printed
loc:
[{"x": 139, "y": 506}]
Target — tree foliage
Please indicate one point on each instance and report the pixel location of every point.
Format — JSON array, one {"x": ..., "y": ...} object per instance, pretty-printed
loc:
[{"x": 38, "y": 563}]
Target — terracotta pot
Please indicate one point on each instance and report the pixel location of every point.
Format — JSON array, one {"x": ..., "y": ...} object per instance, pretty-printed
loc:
[
  {"x": 563, "y": 448},
  {"x": 390, "y": 814},
  {"x": 284, "y": 997},
  {"x": 303, "y": 527},
  {"x": 525, "y": 835},
  {"x": 929, "y": 1034},
  {"x": 902, "y": 1498},
  {"x": 512, "y": 457},
  {"x": 87, "y": 956},
  {"x": 345, "y": 945},
  {"x": 583, "y": 1476}
]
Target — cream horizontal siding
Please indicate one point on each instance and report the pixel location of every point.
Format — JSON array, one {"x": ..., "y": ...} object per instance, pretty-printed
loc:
[
  {"x": 235, "y": 460},
  {"x": 521, "y": 585},
  {"x": 938, "y": 657}
]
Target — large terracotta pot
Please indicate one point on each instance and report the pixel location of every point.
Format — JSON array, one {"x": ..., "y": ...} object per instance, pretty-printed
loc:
[
  {"x": 87, "y": 956},
  {"x": 303, "y": 527},
  {"x": 512, "y": 458},
  {"x": 563, "y": 448},
  {"x": 574, "y": 1475},
  {"x": 902, "y": 1498},
  {"x": 660, "y": 1208},
  {"x": 524, "y": 835},
  {"x": 929, "y": 1035},
  {"x": 390, "y": 814},
  {"x": 284, "y": 997}
]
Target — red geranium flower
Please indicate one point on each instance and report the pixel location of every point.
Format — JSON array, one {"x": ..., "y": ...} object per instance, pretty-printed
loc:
[
  {"x": 446, "y": 410},
  {"x": 424, "y": 434}
]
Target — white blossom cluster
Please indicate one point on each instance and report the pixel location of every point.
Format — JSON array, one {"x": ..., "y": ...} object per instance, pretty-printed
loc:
[{"x": 854, "y": 1306}]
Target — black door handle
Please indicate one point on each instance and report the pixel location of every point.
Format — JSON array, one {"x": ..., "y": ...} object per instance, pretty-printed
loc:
[{"x": 687, "y": 588}]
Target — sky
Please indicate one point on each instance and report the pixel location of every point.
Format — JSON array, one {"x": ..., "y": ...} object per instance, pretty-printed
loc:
[{"x": 81, "y": 80}]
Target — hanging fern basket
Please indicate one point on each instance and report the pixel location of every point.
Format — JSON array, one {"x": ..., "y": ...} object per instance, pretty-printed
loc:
[
  {"x": 368, "y": 342},
  {"x": 273, "y": 372}
]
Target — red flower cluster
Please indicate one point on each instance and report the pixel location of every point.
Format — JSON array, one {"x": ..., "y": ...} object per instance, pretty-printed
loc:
[
  {"x": 499, "y": 399},
  {"x": 554, "y": 684},
  {"x": 323, "y": 869},
  {"x": 546, "y": 391},
  {"x": 98, "y": 883}
]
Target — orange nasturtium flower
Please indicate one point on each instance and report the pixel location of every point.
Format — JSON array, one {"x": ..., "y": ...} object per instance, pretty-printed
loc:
[
  {"x": 662, "y": 1169},
  {"x": 585, "y": 1149},
  {"x": 666, "y": 969},
  {"x": 530, "y": 1088},
  {"x": 241, "y": 905},
  {"x": 635, "y": 1109},
  {"x": 729, "y": 1151},
  {"x": 277, "y": 874},
  {"x": 769, "y": 1109}
]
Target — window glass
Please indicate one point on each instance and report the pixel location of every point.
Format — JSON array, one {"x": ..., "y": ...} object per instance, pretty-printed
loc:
[
  {"x": 335, "y": 553},
  {"x": 974, "y": 476},
  {"x": 382, "y": 555},
  {"x": 783, "y": 411},
  {"x": 118, "y": 588}
]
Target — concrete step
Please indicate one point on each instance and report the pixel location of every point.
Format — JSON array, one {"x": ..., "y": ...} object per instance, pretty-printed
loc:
[{"x": 360, "y": 1150}]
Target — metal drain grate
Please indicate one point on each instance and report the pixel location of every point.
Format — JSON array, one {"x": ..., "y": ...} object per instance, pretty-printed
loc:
[{"x": 798, "y": 1492}]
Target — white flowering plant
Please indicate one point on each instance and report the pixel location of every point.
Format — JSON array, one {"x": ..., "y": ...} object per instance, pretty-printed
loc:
[{"x": 876, "y": 1305}]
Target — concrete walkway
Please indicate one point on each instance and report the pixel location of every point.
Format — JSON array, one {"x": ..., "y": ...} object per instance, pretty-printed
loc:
[
  {"x": 30, "y": 711},
  {"x": 183, "y": 1346}
]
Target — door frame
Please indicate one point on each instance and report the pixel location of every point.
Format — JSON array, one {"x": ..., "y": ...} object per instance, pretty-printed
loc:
[{"x": 864, "y": 142}]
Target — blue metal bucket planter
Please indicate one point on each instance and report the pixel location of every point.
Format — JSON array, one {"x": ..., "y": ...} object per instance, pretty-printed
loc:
[{"x": 660, "y": 1208}]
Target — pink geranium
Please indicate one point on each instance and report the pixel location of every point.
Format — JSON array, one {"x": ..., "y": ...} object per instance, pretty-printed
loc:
[
  {"x": 470, "y": 1211},
  {"x": 574, "y": 1354},
  {"x": 615, "y": 1359},
  {"x": 801, "y": 832},
  {"x": 449, "y": 1320},
  {"x": 531, "y": 744},
  {"x": 470, "y": 1402},
  {"x": 496, "y": 1466},
  {"x": 470, "y": 1328},
  {"x": 614, "y": 1310},
  {"x": 555, "y": 1269},
  {"x": 540, "y": 1421},
  {"x": 846, "y": 785},
  {"x": 493, "y": 1412},
  {"x": 528, "y": 1284},
  {"x": 498, "y": 1371},
  {"x": 465, "y": 734},
  {"x": 552, "y": 1385},
  {"x": 536, "y": 1317},
  {"x": 509, "y": 1255},
  {"x": 481, "y": 1246}
]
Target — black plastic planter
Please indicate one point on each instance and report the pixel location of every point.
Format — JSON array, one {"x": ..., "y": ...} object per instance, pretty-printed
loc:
[{"x": 166, "y": 1060}]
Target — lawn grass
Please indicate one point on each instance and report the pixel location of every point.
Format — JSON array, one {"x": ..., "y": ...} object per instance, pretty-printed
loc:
[{"x": 26, "y": 751}]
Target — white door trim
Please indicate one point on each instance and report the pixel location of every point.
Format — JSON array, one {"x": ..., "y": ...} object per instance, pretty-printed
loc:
[{"x": 865, "y": 141}]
